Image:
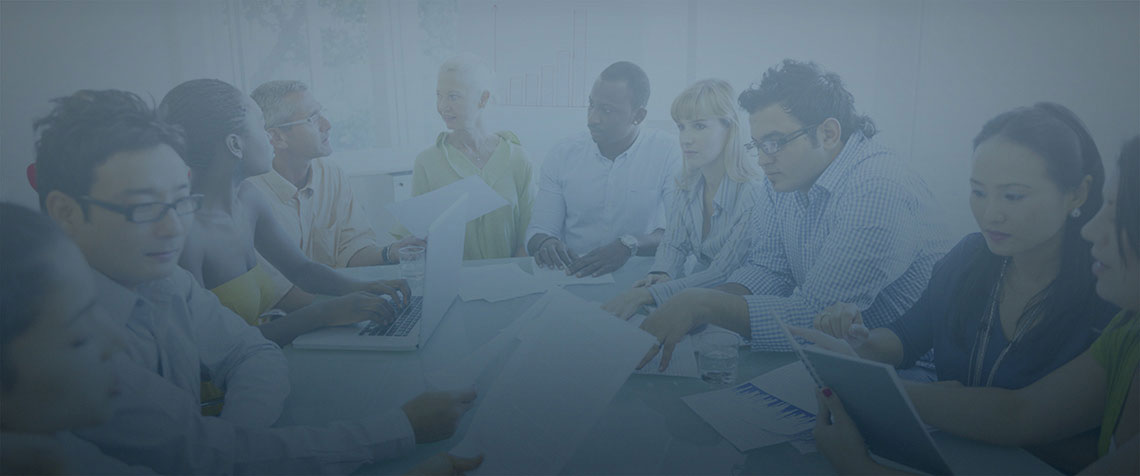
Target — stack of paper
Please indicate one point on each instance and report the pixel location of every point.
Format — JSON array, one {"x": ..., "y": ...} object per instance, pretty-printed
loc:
[
  {"x": 571, "y": 361},
  {"x": 770, "y": 409},
  {"x": 558, "y": 277},
  {"x": 498, "y": 282}
]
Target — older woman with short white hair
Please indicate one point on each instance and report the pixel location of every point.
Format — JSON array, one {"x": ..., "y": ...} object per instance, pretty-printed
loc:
[{"x": 463, "y": 92}]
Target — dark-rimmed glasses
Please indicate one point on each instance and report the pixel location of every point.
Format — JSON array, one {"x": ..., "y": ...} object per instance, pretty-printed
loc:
[
  {"x": 771, "y": 146},
  {"x": 149, "y": 212}
]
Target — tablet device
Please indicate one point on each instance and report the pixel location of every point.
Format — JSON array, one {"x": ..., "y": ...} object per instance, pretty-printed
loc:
[{"x": 872, "y": 394}]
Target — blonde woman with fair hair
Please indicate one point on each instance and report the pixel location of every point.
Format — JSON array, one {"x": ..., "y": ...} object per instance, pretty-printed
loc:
[
  {"x": 713, "y": 206},
  {"x": 463, "y": 92}
]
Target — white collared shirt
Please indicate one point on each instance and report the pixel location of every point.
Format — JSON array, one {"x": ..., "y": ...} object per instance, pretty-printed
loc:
[{"x": 587, "y": 200}]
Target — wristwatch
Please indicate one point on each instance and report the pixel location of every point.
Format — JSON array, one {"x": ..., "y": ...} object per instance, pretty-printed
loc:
[{"x": 630, "y": 242}]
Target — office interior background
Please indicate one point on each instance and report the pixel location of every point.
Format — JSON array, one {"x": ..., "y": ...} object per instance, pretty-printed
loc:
[{"x": 929, "y": 72}]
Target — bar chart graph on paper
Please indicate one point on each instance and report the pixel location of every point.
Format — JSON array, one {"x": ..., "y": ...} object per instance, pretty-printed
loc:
[
  {"x": 559, "y": 78},
  {"x": 774, "y": 414}
]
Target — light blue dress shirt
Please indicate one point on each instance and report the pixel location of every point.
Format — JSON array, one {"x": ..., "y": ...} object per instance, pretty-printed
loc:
[
  {"x": 867, "y": 232},
  {"x": 587, "y": 200},
  {"x": 178, "y": 330},
  {"x": 158, "y": 425},
  {"x": 718, "y": 254}
]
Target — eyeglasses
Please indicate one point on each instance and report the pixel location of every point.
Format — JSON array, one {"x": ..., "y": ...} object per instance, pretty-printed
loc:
[
  {"x": 311, "y": 120},
  {"x": 771, "y": 146},
  {"x": 150, "y": 212}
]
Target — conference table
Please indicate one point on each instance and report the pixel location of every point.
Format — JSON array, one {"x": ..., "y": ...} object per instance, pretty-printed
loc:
[{"x": 646, "y": 428}]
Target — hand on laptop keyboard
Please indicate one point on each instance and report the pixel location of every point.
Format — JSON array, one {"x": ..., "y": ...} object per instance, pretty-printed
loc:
[
  {"x": 356, "y": 307},
  {"x": 397, "y": 288}
]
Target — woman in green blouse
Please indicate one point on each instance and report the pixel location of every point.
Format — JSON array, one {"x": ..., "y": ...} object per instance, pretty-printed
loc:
[{"x": 466, "y": 149}]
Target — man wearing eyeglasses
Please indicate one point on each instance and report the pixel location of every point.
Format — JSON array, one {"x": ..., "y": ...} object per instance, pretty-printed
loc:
[
  {"x": 309, "y": 195},
  {"x": 109, "y": 172},
  {"x": 847, "y": 221}
]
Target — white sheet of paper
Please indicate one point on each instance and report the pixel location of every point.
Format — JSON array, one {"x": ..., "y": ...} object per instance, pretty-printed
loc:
[
  {"x": 791, "y": 383},
  {"x": 750, "y": 417},
  {"x": 465, "y": 372},
  {"x": 417, "y": 213},
  {"x": 558, "y": 277},
  {"x": 498, "y": 282},
  {"x": 566, "y": 369},
  {"x": 682, "y": 364}
]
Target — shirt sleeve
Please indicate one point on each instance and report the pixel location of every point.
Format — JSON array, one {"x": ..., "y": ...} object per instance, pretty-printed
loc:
[
  {"x": 767, "y": 271},
  {"x": 525, "y": 200},
  {"x": 353, "y": 233},
  {"x": 251, "y": 369},
  {"x": 549, "y": 214},
  {"x": 729, "y": 257},
  {"x": 668, "y": 188},
  {"x": 675, "y": 246},
  {"x": 873, "y": 241},
  {"x": 159, "y": 426}
]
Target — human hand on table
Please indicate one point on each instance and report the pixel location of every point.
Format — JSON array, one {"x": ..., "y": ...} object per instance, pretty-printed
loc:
[
  {"x": 843, "y": 320},
  {"x": 672, "y": 321},
  {"x": 602, "y": 260},
  {"x": 444, "y": 464},
  {"x": 435, "y": 415},
  {"x": 553, "y": 253},
  {"x": 651, "y": 279},
  {"x": 824, "y": 341},
  {"x": 626, "y": 304}
]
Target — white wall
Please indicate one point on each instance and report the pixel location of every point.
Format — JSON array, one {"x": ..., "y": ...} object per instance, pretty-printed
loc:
[{"x": 928, "y": 72}]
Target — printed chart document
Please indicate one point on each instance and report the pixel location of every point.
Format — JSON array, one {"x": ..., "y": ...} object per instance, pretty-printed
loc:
[
  {"x": 751, "y": 417},
  {"x": 571, "y": 360},
  {"x": 682, "y": 364},
  {"x": 417, "y": 213}
]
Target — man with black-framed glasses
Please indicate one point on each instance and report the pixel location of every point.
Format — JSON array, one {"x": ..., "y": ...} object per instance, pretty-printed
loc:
[
  {"x": 110, "y": 173},
  {"x": 310, "y": 196},
  {"x": 847, "y": 221}
]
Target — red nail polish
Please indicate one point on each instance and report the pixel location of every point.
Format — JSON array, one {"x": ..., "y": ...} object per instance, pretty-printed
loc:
[{"x": 827, "y": 392}]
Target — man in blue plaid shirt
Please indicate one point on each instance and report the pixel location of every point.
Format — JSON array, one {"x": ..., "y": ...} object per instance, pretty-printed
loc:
[{"x": 846, "y": 221}]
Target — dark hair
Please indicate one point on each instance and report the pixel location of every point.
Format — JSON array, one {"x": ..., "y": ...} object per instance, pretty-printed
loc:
[
  {"x": 635, "y": 79},
  {"x": 207, "y": 110},
  {"x": 1056, "y": 135},
  {"x": 85, "y": 129},
  {"x": 26, "y": 240},
  {"x": 809, "y": 94},
  {"x": 1128, "y": 197}
]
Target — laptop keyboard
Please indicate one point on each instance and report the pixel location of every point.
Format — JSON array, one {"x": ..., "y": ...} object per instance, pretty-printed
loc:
[{"x": 403, "y": 324}]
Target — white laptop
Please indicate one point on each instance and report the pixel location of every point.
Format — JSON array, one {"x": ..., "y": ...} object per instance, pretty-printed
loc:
[{"x": 416, "y": 322}]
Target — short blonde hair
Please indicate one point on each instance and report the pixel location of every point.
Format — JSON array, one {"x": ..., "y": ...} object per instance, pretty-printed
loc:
[
  {"x": 713, "y": 98},
  {"x": 471, "y": 71}
]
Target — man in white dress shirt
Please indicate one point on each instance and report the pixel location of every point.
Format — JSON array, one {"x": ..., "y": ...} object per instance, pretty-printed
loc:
[{"x": 602, "y": 197}]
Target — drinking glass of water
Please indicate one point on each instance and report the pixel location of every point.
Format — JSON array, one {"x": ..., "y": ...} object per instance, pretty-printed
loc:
[
  {"x": 412, "y": 264},
  {"x": 717, "y": 356}
]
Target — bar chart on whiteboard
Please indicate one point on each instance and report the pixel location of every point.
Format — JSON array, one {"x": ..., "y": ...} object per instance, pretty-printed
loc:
[{"x": 557, "y": 77}]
